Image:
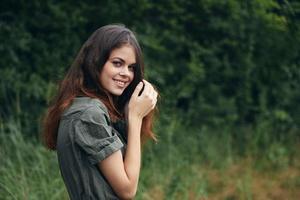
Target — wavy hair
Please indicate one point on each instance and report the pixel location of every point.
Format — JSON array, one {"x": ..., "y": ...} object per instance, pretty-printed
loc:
[{"x": 82, "y": 79}]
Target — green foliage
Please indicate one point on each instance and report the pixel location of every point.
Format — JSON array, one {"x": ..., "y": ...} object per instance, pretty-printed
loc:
[
  {"x": 28, "y": 170},
  {"x": 227, "y": 62},
  {"x": 228, "y": 73},
  {"x": 179, "y": 167}
]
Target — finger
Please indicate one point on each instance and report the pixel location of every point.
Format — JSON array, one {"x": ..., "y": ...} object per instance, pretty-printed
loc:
[
  {"x": 151, "y": 87},
  {"x": 154, "y": 104},
  {"x": 147, "y": 88},
  {"x": 152, "y": 91},
  {"x": 151, "y": 94},
  {"x": 138, "y": 89},
  {"x": 155, "y": 96}
]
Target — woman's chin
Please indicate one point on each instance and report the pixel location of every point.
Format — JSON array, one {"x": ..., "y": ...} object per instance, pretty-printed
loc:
[{"x": 117, "y": 92}]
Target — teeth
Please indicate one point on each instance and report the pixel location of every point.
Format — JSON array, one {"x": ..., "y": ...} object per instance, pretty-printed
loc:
[{"x": 120, "y": 83}]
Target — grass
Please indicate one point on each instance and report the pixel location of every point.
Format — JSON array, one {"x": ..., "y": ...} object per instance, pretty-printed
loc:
[
  {"x": 185, "y": 165},
  {"x": 28, "y": 170}
]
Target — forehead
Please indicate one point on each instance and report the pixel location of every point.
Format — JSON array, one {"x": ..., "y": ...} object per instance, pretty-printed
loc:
[{"x": 125, "y": 52}]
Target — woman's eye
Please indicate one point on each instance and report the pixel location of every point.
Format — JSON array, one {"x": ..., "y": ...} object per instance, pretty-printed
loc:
[
  {"x": 117, "y": 63},
  {"x": 131, "y": 67}
]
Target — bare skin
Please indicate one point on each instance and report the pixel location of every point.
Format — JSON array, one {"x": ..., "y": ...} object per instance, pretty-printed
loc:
[{"x": 123, "y": 174}]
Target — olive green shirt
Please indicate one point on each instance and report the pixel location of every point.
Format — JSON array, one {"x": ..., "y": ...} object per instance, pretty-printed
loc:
[{"x": 86, "y": 136}]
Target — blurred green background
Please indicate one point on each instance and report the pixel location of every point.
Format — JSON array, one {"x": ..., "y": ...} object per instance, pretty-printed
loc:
[{"x": 228, "y": 73}]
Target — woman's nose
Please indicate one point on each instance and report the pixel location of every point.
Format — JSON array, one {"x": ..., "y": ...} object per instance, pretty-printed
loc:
[{"x": 124, "y": 71}]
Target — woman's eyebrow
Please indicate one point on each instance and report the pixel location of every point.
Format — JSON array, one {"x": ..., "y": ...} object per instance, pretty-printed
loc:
[{"x": 122, "y": 60}]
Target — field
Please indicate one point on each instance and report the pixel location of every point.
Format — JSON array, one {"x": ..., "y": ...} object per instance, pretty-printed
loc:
[
  {"x": 208, "y": 167},
  {"x": 227, "y": 73}
]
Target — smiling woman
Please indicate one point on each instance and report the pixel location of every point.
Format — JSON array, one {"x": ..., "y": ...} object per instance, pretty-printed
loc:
[
  {"x": 118, "y": 71},
  {"x": 102, "y": 110}
]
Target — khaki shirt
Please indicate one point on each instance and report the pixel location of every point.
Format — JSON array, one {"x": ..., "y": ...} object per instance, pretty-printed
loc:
[{"x": 86, "y": 136}]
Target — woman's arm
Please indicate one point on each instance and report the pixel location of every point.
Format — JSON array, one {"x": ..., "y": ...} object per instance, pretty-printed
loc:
[{"x": 121, "y": 174}]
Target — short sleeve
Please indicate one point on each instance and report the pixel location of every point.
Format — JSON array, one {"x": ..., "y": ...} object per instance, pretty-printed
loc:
[{"x": 95, "y": 136}]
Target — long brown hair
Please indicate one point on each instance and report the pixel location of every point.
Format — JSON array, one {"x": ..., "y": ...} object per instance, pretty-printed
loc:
[{"x": 82, "y": 79}]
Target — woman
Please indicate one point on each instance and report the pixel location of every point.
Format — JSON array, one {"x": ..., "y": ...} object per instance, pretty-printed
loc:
[{"x": 102, "y": 110}]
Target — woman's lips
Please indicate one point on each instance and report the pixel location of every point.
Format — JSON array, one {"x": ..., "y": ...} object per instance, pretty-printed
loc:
[{"x": 120, "y": 83}]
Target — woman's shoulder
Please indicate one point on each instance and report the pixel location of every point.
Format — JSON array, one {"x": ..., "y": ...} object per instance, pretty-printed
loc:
[{"x": 86, "y": 107}]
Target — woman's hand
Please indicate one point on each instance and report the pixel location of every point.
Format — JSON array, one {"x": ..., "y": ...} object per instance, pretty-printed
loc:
[
  {"x": 140, "y": 105},
  {"x": 123, "y": 173}
]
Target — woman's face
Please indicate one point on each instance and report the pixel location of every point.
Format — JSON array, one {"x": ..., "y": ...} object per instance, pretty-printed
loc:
[{"x": 118, "y": 71}]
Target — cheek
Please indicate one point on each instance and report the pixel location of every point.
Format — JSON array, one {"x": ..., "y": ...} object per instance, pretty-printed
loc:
[{"x": 131, "y": 76}]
